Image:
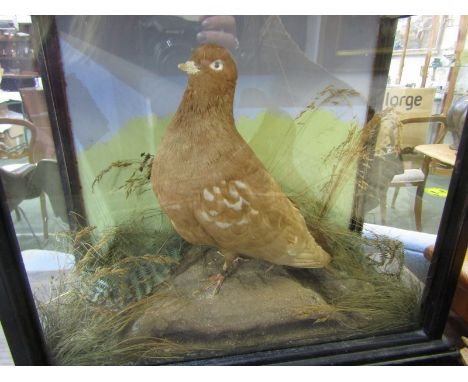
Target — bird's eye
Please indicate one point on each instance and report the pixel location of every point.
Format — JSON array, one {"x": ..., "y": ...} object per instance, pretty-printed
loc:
[{"x": 217, "y": 65}]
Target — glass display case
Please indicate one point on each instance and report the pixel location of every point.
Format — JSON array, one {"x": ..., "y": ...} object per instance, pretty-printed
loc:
[{"x": 218, "y": 190}]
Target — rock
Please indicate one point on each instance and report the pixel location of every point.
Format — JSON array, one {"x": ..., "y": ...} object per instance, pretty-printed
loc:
[{"x": 258, "y": 304}]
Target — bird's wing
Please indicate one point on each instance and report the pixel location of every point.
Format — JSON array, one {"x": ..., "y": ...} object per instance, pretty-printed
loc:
[
  {"x": 227, "y": 212},
  {"x": 254, "y": 217}
]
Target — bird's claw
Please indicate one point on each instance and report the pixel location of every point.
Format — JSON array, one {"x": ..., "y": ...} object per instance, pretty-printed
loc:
[
  {"x": 270, "y": 268},
  {"x": 218, "y": 280}
]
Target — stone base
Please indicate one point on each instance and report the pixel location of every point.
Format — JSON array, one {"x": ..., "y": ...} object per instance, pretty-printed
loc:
[{"x": 257, "y": 306}]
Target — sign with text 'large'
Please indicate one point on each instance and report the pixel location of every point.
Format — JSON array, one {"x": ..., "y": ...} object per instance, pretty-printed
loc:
[{"x": 411, "y": 102}]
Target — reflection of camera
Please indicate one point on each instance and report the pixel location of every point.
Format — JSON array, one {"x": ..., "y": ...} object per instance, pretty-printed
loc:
[{"x": 169, "y": 41}]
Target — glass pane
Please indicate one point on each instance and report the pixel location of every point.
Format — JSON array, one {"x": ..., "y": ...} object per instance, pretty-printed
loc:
[
  {"x": 225, "y": 165},
  {"x": 429, "y": 84},
  {"x": 28, "y": 165}
]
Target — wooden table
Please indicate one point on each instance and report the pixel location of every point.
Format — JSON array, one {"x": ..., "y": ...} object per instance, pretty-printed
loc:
[{"x": 439, "y": 152}]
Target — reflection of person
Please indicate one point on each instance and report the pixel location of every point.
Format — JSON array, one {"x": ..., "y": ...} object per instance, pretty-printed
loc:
[
  {"x": 247, "y": 37},
  {"x": 220, "y": 30},
  {"x": 161, "y": 42},
  {"x": 131, "y": 61}
]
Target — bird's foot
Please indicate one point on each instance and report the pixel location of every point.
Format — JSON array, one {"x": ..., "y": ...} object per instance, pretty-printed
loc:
[
  {"x": 270, "y": 268},
  {"x": 218, "y": 281},
  {"x": 240, "y": 259},
  {"x": 230, "y": 259}
]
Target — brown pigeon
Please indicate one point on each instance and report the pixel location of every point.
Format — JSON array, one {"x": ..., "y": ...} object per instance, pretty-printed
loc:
[{"x": 212, "y": 185}]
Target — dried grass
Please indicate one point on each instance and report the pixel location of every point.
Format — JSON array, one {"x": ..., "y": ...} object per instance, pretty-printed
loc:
[
  {"x": 381, "y": 300},
  {"x": 80, "y": 333},
  {"x": 138, "y": 182},
  {"x": 120, "y": 271}
]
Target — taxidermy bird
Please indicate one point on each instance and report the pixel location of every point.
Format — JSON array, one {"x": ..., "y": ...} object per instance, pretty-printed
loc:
[{"x": 212, "y": 185}]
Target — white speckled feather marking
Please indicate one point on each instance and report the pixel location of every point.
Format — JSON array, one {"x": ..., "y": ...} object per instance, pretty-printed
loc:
[
  {"x": 207, "y": 195},
  {"x": 225, "y": 205}
]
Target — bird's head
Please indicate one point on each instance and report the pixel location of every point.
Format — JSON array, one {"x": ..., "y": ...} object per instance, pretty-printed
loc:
[{"x": 211, "y": 66}]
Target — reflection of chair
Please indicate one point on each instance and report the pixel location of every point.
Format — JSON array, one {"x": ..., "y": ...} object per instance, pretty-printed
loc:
[
  {"x": 35, "y": 108},
  {"x": 29, "y": 181},
  {"x": 41, "y": 145},
  {"x": 413, "y": 177},
  {"x": 16, "y": 180},
  {"x": 29, "y": 151}
]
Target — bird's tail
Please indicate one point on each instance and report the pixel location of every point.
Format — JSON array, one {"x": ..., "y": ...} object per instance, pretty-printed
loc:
[{"x": 318, "y": 259}]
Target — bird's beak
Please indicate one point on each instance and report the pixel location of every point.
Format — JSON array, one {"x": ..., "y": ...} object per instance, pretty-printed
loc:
[{"x": 189, "y": 67}]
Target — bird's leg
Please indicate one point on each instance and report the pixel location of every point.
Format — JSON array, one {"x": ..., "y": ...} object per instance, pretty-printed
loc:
[
  {"x": 229, "y": 259},
  {"x": 270, "y": 268}
]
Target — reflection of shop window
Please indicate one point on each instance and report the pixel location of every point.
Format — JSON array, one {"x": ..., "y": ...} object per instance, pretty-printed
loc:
[{"x": 420, "y": 33}]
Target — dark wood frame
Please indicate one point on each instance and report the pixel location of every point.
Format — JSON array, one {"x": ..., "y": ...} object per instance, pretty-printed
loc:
[
  {"x": 353, "y": 58},
  {"x": 380, "y": 69},
  {"x": 18, "y": 314},
  {"x": 21, "y": 322},
  {"x": 50, "y": 64}
]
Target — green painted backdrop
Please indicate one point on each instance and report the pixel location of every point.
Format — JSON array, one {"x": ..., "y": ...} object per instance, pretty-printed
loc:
[{"x": 294, "y": 150}]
